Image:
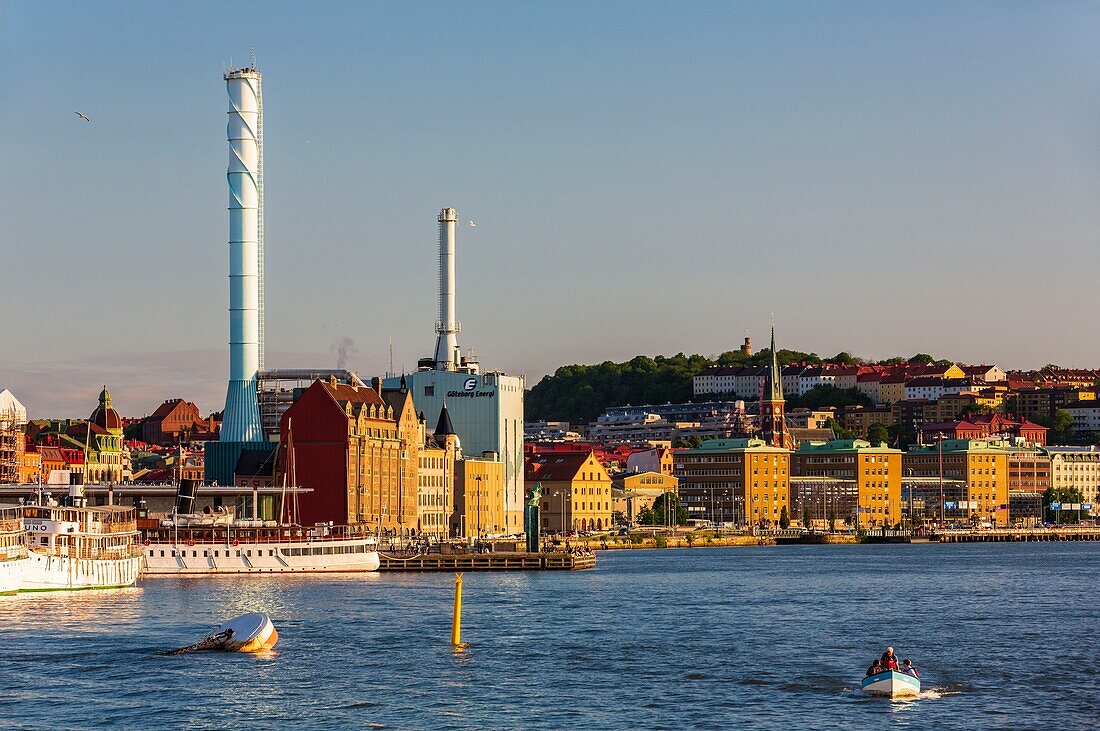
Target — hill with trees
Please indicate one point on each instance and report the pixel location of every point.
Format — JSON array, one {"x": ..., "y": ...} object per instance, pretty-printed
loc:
[{"x": 582, "y": 392}]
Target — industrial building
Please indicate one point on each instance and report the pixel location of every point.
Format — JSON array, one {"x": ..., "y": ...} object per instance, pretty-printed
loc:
[{"x": 485, "y": 408}]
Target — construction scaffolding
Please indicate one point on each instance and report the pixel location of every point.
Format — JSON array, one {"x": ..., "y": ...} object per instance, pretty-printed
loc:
[{"x": 12, "y": 426}]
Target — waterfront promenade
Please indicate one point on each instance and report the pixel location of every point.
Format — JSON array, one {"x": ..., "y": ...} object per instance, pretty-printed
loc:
[{"x": 496, "y": 561}]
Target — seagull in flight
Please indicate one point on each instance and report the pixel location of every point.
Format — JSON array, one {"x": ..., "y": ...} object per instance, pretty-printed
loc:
[
  {"x": 82, "y": 116},
  {"x": 472, "y": 224}
]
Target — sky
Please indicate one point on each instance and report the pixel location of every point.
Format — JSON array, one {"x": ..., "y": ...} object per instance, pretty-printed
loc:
[{"x": 647, "y": 178}]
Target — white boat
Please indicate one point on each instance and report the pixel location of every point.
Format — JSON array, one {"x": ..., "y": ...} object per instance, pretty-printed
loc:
[
  {"x": 891, "y": 683},
  {"x": 13, "y": 549},
  {"x": 73, "y": 546},
  {"x": 188, "y": 545}
]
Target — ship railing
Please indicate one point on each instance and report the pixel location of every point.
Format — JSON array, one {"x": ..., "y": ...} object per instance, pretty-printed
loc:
[
  {"x": 95, "y": 553},
  {"x": 106, "y": 528},
  {"x": 222, "y": 536},
  {"x": 9, "y": 553}
]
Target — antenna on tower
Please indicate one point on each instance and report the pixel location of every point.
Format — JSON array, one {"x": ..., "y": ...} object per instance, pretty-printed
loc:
[
  {"x": 253, "y": 57},
  {"x": 391, "y": 355}
]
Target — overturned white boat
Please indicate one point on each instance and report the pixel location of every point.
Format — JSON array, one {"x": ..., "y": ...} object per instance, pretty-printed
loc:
[
  {"x": 891, "y": 684},
  {"x": 252, "y": 632}
]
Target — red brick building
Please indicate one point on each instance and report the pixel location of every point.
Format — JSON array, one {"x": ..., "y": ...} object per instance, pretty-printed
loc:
[
  {"x": 174, "y": 421},
  {"x": 984, "y": 426},
  {"x": 348, "y": 446}
]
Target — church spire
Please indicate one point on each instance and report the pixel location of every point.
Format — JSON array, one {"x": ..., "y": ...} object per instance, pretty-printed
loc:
[
  {"x": 773, "y": 424},
  {"x": 773, "y": 384}
]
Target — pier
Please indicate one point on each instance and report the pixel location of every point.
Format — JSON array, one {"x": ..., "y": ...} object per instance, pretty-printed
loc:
[
  {"x": 502, "y": 561},
  {"x": 1011, "y": 535}
]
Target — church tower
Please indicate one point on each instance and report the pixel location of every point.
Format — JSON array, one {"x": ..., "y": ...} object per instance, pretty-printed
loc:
[{"x": 773, "y": 425}]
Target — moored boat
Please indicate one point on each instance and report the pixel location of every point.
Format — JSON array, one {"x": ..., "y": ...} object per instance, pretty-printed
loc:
[
  {"x": 13, "y": 549},
  {"x": 216, "y": 544},
  {"x": 891, "y": 683},
  {"x": 73, "y": 546}
]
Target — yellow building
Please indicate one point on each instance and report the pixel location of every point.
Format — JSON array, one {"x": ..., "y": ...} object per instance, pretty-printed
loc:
[
  {"x": 858, "y": 419},
  {"x": 871, "y": 474},
  {"x": 411, "y": 440},
  {"x": 435, "y": 491},
  {"x": 101, "y": 439},
  {"x": 976, "y": 473},
  {"x": 735, "y": 481},
  {"x": 31, "y": 470},
  {"x": 631, "y": 492},
  {"x": 576, "y": 492},
  {"x": 949, "y": 406},
  {"x": 479, "y": 498},
  {"x": 657, "y": 459}
]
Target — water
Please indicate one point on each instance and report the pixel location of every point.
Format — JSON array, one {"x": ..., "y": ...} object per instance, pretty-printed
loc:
[{"x": 769, "y": 637}]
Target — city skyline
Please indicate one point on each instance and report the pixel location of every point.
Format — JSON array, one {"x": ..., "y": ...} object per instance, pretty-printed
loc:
[{"x": 642, "y": 192}]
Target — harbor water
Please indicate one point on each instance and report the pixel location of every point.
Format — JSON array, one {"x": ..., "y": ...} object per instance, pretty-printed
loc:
[{"x": 761, "y": 637}]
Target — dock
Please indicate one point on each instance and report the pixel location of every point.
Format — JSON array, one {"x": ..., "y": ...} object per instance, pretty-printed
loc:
[
  {"x": 502, "y": 561},
  {"x": 1012, "y": 535}
]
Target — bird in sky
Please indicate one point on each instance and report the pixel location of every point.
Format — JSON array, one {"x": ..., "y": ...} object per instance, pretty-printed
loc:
[
  {"x": 472, "y": 224},
  {"x": 82, "y": 116}
]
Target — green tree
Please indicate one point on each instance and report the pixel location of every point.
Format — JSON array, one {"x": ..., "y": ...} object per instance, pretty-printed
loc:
[
  {"x": 784, "y": 519},
  {"x": 901, "y": 436},
  {"x": 666, "y": 506},
  {"x": 1059, "y": 426},
  {"x": 974, "y": 410},
  {"x": 1064, "y": 495},
  {"x": 844, "y": 358},
  {"x": 839, "y": 432},
  {"x": 618, "y": 518},
  {"x": 691, "y": 442},
  {"x": 922, "y": 359},
  {"x": 878, "y": 433},
  {"x": 823, "y": 396}
]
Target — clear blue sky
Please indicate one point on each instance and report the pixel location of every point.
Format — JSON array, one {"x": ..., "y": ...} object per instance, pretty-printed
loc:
[{"x": 647, "y": 178}]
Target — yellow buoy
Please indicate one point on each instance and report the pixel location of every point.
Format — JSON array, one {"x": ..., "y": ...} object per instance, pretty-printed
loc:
[{"x": 456, "y": 619}]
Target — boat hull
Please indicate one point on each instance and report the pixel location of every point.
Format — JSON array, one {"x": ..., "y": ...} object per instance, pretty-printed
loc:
[
  {"x": 11, "y": 574},
  {"x": 62, "y": 573},
  {"x": 891, "y": 684},
  {"x": 335, "y": 556}
]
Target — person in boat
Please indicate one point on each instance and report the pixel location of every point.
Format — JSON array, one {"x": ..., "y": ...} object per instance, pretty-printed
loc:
[
  {"x": 889, "y": 659},
  {"x": 875, "y": 669},
  {"x": 908, "y": 669}
]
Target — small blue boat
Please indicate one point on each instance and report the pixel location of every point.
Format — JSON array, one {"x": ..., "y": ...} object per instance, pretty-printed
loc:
[{"x": 892, "y": 684}]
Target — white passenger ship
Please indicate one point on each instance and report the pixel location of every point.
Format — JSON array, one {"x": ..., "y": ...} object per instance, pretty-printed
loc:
[
  {"x": 73, "y": 546},
  {"x": 217, "y": 543},
  {"x": 13, "y": 549}
]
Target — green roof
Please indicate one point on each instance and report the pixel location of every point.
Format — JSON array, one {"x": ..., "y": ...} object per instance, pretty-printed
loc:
[
  {"x": 732, "y": 445},
  {"x": 845, "y": 445},
  {"x": 989, "y": 446}
]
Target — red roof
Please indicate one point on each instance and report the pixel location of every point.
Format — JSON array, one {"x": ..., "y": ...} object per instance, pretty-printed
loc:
[{"x": 557, "y": 468}]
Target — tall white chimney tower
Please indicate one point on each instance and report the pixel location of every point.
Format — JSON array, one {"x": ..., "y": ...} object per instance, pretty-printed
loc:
[
  {"x": 241, "y": 420},
  {"x": 446, "y": 345}
]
